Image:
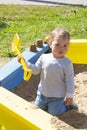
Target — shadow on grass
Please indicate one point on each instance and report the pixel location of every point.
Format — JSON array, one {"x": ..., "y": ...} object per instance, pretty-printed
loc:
[{"x": 3, "y": 25}]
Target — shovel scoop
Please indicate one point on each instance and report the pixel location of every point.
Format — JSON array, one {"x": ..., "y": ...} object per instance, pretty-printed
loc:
[{"x": 16, "y": 49}]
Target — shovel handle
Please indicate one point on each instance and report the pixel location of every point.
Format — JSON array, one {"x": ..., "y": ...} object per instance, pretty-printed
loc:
[{"x": 27, "y": 72}]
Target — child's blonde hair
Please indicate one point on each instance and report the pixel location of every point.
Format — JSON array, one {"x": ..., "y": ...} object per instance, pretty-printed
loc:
[{"x": 59, "y": 32}]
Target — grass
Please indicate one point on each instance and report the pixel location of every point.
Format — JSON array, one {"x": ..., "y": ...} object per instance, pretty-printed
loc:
[{"x": 33, "y": 22}]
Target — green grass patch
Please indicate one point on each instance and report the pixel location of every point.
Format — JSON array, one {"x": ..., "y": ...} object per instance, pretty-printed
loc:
[{"x": 33, "y": 22}]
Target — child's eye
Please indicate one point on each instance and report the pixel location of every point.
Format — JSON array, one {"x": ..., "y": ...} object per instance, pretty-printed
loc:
[
  {"x": 57, "y": 44},
  {"x": 65, "y": 45}
]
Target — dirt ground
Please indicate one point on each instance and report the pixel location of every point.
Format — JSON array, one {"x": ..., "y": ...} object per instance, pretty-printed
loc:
[
  {"x": 3, "y": 61},
  {"x": 72, "y": 119}
]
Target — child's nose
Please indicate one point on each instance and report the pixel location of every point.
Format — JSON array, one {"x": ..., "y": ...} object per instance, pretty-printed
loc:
[{"x": 61, "y": 47}]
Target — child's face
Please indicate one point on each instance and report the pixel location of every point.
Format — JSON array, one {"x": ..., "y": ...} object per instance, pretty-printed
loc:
[{"x": 59, "y": 47}]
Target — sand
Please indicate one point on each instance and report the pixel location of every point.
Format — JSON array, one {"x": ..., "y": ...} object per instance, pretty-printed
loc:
[
  {"x": 74, "y": 119},
  {"x": 70, "y": 120}
]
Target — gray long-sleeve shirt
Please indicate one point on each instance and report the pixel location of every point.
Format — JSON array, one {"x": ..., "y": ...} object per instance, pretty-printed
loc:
[{"x": 56, "y": 76}]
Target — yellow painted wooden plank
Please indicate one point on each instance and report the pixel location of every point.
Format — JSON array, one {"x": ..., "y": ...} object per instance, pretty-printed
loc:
[
  {"x": 16, "y": 113},
  {"x": 78, "y": 51}
]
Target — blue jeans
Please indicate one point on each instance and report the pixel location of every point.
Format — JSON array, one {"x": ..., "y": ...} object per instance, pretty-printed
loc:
[{"x": 52, "y": 105}]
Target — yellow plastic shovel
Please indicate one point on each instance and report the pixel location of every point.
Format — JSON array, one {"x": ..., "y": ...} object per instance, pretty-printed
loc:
[{"x": 15, "y": 48}]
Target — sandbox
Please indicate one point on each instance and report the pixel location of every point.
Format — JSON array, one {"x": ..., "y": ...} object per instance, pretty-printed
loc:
[{"x": 17, "y": 109}]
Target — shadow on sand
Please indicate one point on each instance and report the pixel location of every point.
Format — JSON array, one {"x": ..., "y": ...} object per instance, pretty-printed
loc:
[{"x": 75, "y": 119}]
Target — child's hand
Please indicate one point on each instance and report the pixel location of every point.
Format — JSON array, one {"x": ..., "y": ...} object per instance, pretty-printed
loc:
[
  {"x": 19, "y": 59},
  {"x": 69, "y": 101}
]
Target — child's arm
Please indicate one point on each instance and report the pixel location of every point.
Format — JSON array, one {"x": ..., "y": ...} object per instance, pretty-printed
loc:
[
  {"x": 36, "y": 68},
  {"x": 69, "y": 80}
]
